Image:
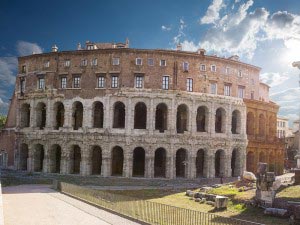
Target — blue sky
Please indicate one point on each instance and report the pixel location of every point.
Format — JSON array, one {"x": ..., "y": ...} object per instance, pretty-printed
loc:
[{"x": 262, "y": 32}]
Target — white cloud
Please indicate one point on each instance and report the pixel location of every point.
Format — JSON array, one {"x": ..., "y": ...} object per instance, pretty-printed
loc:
[
  {"x": 165, "y": 28},
  {"x": 3, "y": 107},
  {"x": 8, "y": 66},
  {"x": 213, "y": 12},
  {"x": 274, "y": 79},
  {"x": 180, "y": 34},
  {"x": 27, "y": 48}
]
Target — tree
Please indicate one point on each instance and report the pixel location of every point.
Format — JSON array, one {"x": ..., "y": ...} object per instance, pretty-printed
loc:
[{"x": 2, "y": 121}]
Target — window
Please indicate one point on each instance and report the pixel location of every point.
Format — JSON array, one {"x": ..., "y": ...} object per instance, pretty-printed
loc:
[
  {"x": 139, "y": 81},
  {"x": 150, "y": 62},
  {"x": 47, "y": 64},
  {"x": 67, "y": 63},
  {"x": 23, "y": 69},
  {"x": 189, "y": 84},
  {"x": 116, "y": 61},
  {"x": 95, "y": 62},
  {"x": 138, "y": 61},
  {"x": 240, "y": 73},
  {"x": 84, "y": 62},
  {"x": 203, "y": 67},
  {"x": 90, "y": 47},
  {"x": 41, "y": 83},
  {"x": 101, "y": 82},
  {"x": 114, "y": 81},
  {"x": 22, "y": 85},
  {"x": 227, "y": 70},
  {"x": 241, "y": 91},
  {"x": 63, "y": 82},
  {"x": 227, "y": 89},
  {"x": 185, "y": 66},
  {"x": 213, "y": 68},
  {"x": 252, "y": 94},
  {"x": 163, "y": 62},
  {"x": 213, "y": 88},
  {"x": 76, "y": 82},
  {"x": 165, "y": 83}
]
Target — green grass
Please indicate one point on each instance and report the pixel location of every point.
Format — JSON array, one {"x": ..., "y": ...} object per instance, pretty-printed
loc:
[{"x": 291, "y": 193}]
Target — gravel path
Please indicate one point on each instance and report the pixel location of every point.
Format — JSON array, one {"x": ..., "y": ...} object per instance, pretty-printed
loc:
[{"x": 40, "y": 205}]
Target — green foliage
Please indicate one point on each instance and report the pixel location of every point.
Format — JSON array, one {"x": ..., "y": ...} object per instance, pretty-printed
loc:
[{"x": 2, "y": 121}]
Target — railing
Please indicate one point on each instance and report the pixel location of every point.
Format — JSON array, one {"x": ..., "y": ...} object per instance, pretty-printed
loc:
[{"x": 147, "y": 211}]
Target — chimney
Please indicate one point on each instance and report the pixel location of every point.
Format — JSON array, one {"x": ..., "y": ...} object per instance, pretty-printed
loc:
[
  {"x": 54, "y": 48},
  {"x": 179, "y": 47},
  {"x": 79, "y": 46},
  {"x": 201, "y": 51}
]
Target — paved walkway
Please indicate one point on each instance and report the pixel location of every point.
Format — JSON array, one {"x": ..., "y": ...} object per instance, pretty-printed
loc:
[{"x": 40, "y": 205}]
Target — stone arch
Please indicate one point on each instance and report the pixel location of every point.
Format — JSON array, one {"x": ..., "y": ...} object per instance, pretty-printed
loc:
[
  {"x": 24, "y": 153},
  {"x": 38, "y": 158},
  {"x": 250, "y": 123},
  {"x": 55, "y": 158},
  {"x": 98, "y": 114},
  {"x": 117, "y": 157},
  {"x": 202, "y": 119},
  {"x": 75, "y": 159},
  {"x": 160, "y": 162},
  {"x": 119, "y": 115},
  {"x": 96, "y": 158},
  {"x": 262, "y": 157},
  {"x": 262, "y": 125},
  {"x": 236, "y": 122},
  {"x": 200, "y": 163},
  {"x": 138, "y": 166},
  {"x": 250, "y": 162},
  {"x": 40, "y": 112},
  {"x": 220, "y": 120},
  {"x": 236, "y": 164},
  {"x": 182, "y": 118},
  {"x": 59, "y": 113},
  {"x": 77, "y": 115},
  {"x": 219, "y": 163},
  {"x": 140, "y": 116},
  {"x": 25, "y": 115},
  {"x": 161, "y": 117},
  {"x": 181, "y": 162}
]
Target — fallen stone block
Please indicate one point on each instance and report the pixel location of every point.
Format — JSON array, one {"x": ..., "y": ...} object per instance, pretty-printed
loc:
[
  {"x": 221, "y": 202},
  {"x": 249, "y": 176},
  {"x": 276, "y": 212}
]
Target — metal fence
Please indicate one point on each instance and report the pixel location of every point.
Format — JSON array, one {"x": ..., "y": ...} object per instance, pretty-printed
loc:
[{"x": 147, "y": 211}]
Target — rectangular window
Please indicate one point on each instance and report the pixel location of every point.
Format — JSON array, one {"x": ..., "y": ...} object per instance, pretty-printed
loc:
[
  {"x": 95, "y": 62},
  {"x": 22, "y": 85},
  {"x": 240, "y": 73},
  {"x": 213, "y": 88},
  {"x": 84, "y": 62},
  {"x": 116, "y": 61},
  {"x": 165, "y": 83},
  {"x": 227, "y": 90},
  {"x": 138, "y": 61},
  {"x": 67, "y": 63},
  {"x": 76, "y": 82},
  {"x": 213, "y": 68},
  {"x": 101, "y": 82},
  {"x": 163, "y": 62},
  {"x": 203, "y": 67},
  {"x": 139, "y": 81},
  {"x": 227, "y": 70},
  {"x": 23, "y": 69},
  {"x": 185, "y": 66},
  {"x": 47, "y": 64},
  {"x": 63, "y": 82},
  {"x": 114, "y": 81},
  {"x": 241, "y": 92},
  {"x": 41, "y": 83},
  {"x": 252, "y": 94},
  {"x": 189, "y": 84},
  {"x": 150, "y": 62}
]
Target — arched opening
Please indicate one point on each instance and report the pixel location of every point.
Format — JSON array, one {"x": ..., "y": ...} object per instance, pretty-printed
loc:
[
  {"x": 235, "y": 163},
  {"x": 201, "y": 119},
  {"x": 272, "y": 126},
  {"x": 220, "y": 121},
  {"x": 200, "y": 163},
  {"x": 55, "y": 157},
  {"x": 250, "y": 162},
  {"x": 98, "y": 115},
  {"x": 161, "y": 117},
  {"x": 138, "y": 167},
  {"x": 160, "y": 163},
  {"x": 219, "y": 163},
  {"x": 119, "y": 115},
  {"x": 140, "y": 116},
  {"x": 77, "y": 115},
  {"x": 59, "y": 112},
  {"x": 262, "y": 125},
  {"x": 75, "y": 159},
  {"x": 41, "y": 115},
  {"x": 96, "y": 160},
  {"x": 181, "y": 163},
  {"x": 38, "y": 158},
  {"x": 25, "y": 115},
  {"x": 262, "y": 157},
  {"x": 23, "y": 156},
  {"x": 117, "y": 161},
  {"x": 250, "y": 123},
  {"x": 236, "y": 122},
  {"x": 182, "y": 119},
  {"x": 272, "y": 162}
]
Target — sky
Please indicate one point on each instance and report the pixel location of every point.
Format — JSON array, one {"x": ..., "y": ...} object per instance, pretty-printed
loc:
[{"x": 265, "y": 33}]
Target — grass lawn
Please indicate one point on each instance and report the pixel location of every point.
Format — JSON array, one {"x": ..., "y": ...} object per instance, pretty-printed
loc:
[{"x": 291, "y": 193}]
